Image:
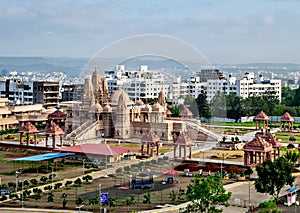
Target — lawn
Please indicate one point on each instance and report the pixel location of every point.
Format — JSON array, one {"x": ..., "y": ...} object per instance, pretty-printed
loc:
[{"x": 285, "y": 136}]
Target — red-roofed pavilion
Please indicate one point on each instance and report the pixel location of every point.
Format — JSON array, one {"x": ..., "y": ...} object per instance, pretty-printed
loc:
[
  {"x": 150, "y": 139},
  {"x": 275, "y": 144},
  {"x": 184, "y": 141},
  {"x": 53, "y": 130},
  {"x": 261, "y": 117},
  {"x": 186, "y": 113},
  {"x": 58, "y": 117},
  {"x": 28, "y": 128},
  {"x": 257, "y": 151},
  {"x": 286, "y": 118}
]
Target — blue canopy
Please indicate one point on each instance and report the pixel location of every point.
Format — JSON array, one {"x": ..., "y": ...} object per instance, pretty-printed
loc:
[
  {"x": 293, "y": 189},
  {"x": 42, "y": 157}
]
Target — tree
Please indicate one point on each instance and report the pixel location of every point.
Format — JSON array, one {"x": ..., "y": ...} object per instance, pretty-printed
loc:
[
  {"x": 218, "y": 105},
  {"x": 292, "y": 156},
  {"x": 234, "y": 107},
  {"x": 147, "y": 198},
  {"x": 52, "y": 176},
  {"x": 64, "y": 196},
  {"x": 203, "y": 106},
  {"x": 44, "y": 179},
  {"x": 50, "y": 197},
  {"x": 205, "y": 193},
  {"x": 57, "y": 185},
  {"x": 78, "y": 182},
  {"x": 33, "y": 181},
  {"x": 188, "y": 100},
  {"x": 87, "y": 178},
  {"x": 272, "y": 176},
  {"x": 176, "y": 109},
  {"x": 79, "y": 201}
]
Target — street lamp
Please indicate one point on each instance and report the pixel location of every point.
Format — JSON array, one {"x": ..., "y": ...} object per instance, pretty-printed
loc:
[
  {"x": 18, "y": 173},
  {"x": 51, "y": 176},
  {"x": 79, "y": 207},
  {"x": 83, "y": 166},
  {"x": 22, "y": 193},
  {"x": 100, "y": 196}
]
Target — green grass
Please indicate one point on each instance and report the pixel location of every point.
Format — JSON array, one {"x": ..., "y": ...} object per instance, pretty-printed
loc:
[
  {"x": 246, "y": 124},
  {"x": 285, "y": 136}
]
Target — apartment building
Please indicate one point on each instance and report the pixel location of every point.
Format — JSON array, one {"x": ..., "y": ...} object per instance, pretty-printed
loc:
[
  {"x": 46, "y": 93},
  {"x": 250, "y": 86}
]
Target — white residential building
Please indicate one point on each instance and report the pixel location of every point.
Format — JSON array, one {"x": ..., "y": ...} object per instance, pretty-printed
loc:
[{"x": 248, "y": 86}]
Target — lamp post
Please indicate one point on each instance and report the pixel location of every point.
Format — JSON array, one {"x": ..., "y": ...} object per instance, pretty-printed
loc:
[
  {"x": 22, "y": 193},
  {"x": 100, "y": 197},
  {"x": 83, "y": 166},
  {"x": 51, "y": 176},
  {"x": 18, "y": 173}
]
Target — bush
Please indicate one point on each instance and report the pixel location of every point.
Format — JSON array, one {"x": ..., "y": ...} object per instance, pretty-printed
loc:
[
  {"x": 78, "y": 181},
  {"x": 57, "y": 185},
  {"x": 290, "y": 146},
  {"x": 79, "y": 201},
  {"x": 33, "y": 182},
  {"x": 68, "y": 183}
]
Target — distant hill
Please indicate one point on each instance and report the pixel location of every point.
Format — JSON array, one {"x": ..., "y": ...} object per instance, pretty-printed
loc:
[{"x": 73, "y": 66}]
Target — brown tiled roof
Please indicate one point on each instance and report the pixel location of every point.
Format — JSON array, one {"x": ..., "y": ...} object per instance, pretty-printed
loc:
[
  {"x": 287, "y": 117},
  {"x": 29, "y": 128},
  {"x": 273, "y": 140},
  {"x": 186, "y": 112},
  {"x": 54, "y": 129},
  {"x": 57, "y": 115},
  {"x": 183, "y": 139},
  {"x": 150, "y": 137},
  {"x": 168, "y": 112},
  {"x": 258, "y": 144},
  {"x": 262, "y": 116}
]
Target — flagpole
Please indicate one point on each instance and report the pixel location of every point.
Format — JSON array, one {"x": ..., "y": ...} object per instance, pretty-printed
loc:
[{"x": 100, "y": 197}]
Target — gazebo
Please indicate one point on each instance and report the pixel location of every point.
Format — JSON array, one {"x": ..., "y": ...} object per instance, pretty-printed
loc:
[
  {"x": 57, "y": 117},
  {"x": 53, "y": 130},
  {"x": 257, "y": 151},
  {"x": 168, "y": 113},
  {"x": 28, "y": 128},
  {"x": 275, "y": 144},
  {"x": 150, "y": 139},
  {"x": 186, "y": 113},
  {"x": 184, "y": 141},
  {"x": 286, "y": 118},
  {"x": 261, "y": 117}
]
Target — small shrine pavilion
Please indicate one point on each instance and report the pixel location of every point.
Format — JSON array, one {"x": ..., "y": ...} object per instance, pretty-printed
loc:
[
  {"x": 261, "y": 117},
  {"x": 28, "y": 128},
  {"x": 150, "y": 139},
  {"x": 53, "y": 130},
  {"x": 168, "y": 113},
  {"x": 58, "y": 117},
  {"x": 275, "y": 144},
  {"x": 183, "y": 141},
  {"x": 257, "y": 151},
  {"x": 186, "y": 113},
  {"x": 286, "y": 118}
]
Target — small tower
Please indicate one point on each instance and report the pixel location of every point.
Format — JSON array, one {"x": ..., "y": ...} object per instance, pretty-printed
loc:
[{"x": 122, "y": 125}]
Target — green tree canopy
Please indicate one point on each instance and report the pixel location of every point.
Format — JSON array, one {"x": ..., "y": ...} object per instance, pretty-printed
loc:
[
  {"x": 205, "y": 194},
  {"x": 203, "y": 106},
  {"x": 273, "y": 176}
]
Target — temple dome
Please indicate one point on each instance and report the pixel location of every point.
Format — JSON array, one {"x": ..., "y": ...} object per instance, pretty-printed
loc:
[
  {"x": 107, "y": 108},
  {"x": 114, "y": 100},
  {"x": 157, "y": 107},
  {"x": 96, "y": 108}
]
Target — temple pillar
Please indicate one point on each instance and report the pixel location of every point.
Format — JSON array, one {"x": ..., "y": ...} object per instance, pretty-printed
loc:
[
  {"x": 179, "y": 151},
  {"x": 61, "y": 140},
  {"x": 47, "y": 140},
  {"x": 34, "y": 138},
  {"x": 142, "y": 149},
  {"x": 147, "y": 149},
  {"x": 190, "y": 155},
  {"x": 157, "y": 149},
  {"x": 184, "y": 152},
  {"x": 255, "y": 157},
  {"x": 53, "y": 141},
  {"x": 28, "y": 138},
  {"x": 175, "y": 151},
  {"x": 21, "y": 138},
  {"x": 152, "y": 149}
]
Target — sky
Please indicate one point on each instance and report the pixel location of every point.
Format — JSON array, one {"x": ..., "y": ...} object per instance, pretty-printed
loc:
[{"x": 226, "y": 32}]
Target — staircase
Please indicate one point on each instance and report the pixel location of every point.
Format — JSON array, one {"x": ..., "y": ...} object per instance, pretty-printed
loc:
[
  {"x": 195, "y": 127},
  {"x": 80, "y": 131}
]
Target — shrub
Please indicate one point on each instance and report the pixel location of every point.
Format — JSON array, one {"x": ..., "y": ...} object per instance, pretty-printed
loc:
[
  {"x": 33, "y": 182},
  {"x": 79, "y": 201},
  {"x": 78, "y": 181},
  {"x": 68, "y": 183},
  {"x": 290, "y": 146}
]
